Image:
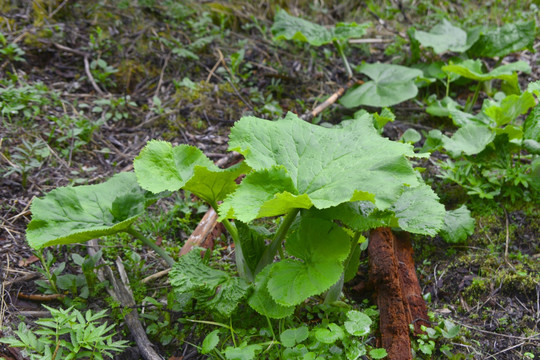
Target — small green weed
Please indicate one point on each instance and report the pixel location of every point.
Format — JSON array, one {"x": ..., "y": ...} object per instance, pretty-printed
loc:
[
  {"x": 10, "y": 51},
  {"x": 26, "y": 158},
  {"x": 68, "y": 334}
]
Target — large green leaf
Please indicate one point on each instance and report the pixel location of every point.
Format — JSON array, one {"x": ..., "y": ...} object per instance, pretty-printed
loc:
[
  {"x": 444, "y": 37},
  {"x": 389, "y": 85},
  {"x": 293, "y": 28},
  {"x": 264, "y": 193},
  {"x": 510, "y": 108},
  {"x": 469, "y": 140},
  {"x": 531, "y": 127},
  {"x": 263, "y": 303},
  {"x": 359, "y": 215},
  {"x": 472, "y": 69},
  {"x": 505, "y": 40},
  {"x": 320, "y": 247},
  {"x": 76, "y": 214},
  {"x": 298, "y": 165},
  {"x": 419, "y": 211},
  {"x": 160, "y": 167},
  {"x": 214, "y": 289},
  {"x": 458, "y": 224}
]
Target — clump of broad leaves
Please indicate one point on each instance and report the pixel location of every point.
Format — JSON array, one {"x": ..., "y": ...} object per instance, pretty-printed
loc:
[{"x": 318, "y": 188}]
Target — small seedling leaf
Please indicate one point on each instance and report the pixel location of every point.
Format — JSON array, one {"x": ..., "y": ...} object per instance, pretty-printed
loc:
[
  {"x": 244, "y": 352},
  {"x": 329, "y": 334},
  {"x": 68, "y": 215},
  {"x": 378, "y": 353},
  {"x": 411, "y": 136},
  {"x": 458, "y": 225},
  {"x": 389, "y": 85},
  {"x": 291, "y": 337},
  {"x": 210, "y": 341},
  {"x": 320, "y": 247},
  {"x": 359, "y": 324},
  {"x": 451, "y": 330}
]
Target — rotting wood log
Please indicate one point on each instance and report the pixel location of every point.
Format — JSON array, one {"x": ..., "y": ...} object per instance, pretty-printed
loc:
[
  {"x": 414, "y": 303},
  {"x": 384, "y": 275}
]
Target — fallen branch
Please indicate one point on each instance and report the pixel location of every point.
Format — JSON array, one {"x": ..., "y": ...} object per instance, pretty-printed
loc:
[
  {"x": 40, "y": 297},
  {"x": 91, "y": 78},
  {"x": 331, "y": 100},
  {"x": 120, "y": 292}
]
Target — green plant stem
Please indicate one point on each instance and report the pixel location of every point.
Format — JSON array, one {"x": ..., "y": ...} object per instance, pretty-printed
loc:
[
  {"x": 470, "y": 105},
  {"x": 447, "y": 85},
  {"x": 243, "y": 269},
  {"x": 272, "y": 249},
  {"x": 335, "y": 290},
  {"x": 161, "y": 252},
  {"x": 232, "y": 332},
  {"x": 341, "y": 52},
  {"x": 52, "y": 281}
]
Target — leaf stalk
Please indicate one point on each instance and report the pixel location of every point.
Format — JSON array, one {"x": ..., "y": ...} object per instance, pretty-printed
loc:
[
  {"x": 272, "y": 249},
  {"x": 341, "y": 52},
  {"x": 161, "y": 252}
]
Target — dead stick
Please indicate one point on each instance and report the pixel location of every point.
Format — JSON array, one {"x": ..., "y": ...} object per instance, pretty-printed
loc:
[
  {"x": 123, "y": 295},
  {"x": 91, "y": 78},
  {"x": 331, "y": 100},
  {"x": 40, "y": 297}
]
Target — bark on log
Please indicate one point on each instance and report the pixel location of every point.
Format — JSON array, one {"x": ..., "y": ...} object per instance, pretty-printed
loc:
[
  {"x": 415, "y": 305},
  {"x": 384, "y": 274}
]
